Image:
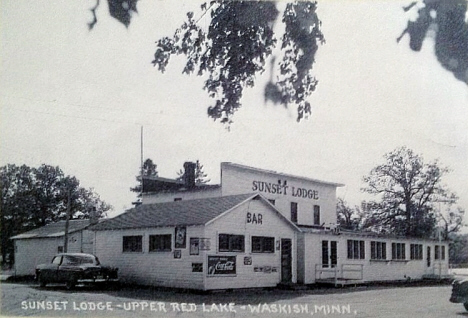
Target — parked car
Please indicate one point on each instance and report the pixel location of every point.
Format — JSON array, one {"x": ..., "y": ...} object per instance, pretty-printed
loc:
[
  {"x": 75, "y": 268},
  {"x": 460, "y": 292}
]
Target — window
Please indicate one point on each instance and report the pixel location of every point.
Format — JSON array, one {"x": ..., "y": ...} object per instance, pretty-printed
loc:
[
  {"x": 416, "y": 251},
  {"x": 132, "y": 243},
  {"x": 272, "y": 201},
  {"x": 356, "y": 249},
  {"x": 177, "y": 199},
  {"x": 398, "y": 251},
  {"x": 231, "y": 243},
  {"x": 160, "y": 243},
  {"x": 57, "y": 260},
  {"x": 316, "y": 215},
  {"x": 294, "y": 212},
  {"x": 439, "y": 252},
  {"x": 325, "y": 255},
  {"x": 378, "y": 250},
  {"x": 60, "y": 249},
  {"x": 263, "y": 244}
]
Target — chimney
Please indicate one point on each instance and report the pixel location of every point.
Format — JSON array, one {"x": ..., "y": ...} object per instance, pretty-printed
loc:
[{"x": 189, "y": 175}]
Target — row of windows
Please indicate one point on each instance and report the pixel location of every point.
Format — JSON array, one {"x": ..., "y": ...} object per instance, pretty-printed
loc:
[
  {"x": 294, "y": 211},
  {"x": 356, "y": 250},
  {"x": 226, "y": 243},
  {"x": 157, "y": 243}
]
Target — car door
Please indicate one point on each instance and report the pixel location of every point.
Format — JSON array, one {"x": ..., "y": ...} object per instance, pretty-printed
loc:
[
  {"x": 50, "y": 271},
  {"x": 68, "y": 268}
]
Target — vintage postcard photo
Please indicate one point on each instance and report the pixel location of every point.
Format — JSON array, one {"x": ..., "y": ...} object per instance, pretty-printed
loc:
[{"x": 214, "y": 158}]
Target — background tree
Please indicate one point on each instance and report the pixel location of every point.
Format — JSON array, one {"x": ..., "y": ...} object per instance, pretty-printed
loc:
[
  {"x": 33, "y": 197},
  {"x": 200, "y": 176},
  {"x": 408, "y": 190},
  {"x": 450, "y": 221},
  {"x": 149, "y": 169},
  {"x": 458, "y": 248},
  {"x": 348, "y": 218}
]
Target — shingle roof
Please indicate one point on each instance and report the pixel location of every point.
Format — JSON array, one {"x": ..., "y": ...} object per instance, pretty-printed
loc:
[
  {"x": 56, "y": 229},
  {"x": 189, "y": 212}
]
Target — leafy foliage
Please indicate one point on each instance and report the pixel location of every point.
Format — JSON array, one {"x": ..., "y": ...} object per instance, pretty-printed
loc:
[
  {"x": 34, "y": 197},
  {"x": 347, "y": 217},
  {"x": 233, "y": 52},
  {"x": 122, "y": 10},
  {"x": 408, "y": 190},
  {"x": 458, "y": 248},
  {"x": 149, "y": 169},
  {"x": 448, "y": 19}
]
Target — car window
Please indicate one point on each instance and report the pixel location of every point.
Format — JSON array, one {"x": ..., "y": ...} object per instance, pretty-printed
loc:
[
  {"x": 56, "y": 260},
  {"x": 77, "y": 260}
]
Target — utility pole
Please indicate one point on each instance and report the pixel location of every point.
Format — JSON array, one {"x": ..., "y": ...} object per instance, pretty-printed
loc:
[
  {"x": 67, "y": 220},
  {"x": 141, "y": 165}
]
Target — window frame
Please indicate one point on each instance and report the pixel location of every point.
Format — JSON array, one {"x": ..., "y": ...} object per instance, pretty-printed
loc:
[
  {"x": 263, "y": 240},
  {"x": 294, "y": 212},
  {"x": 139, "y": 245},
  {"x": 231, "y": 242},
  {"x": 356, "y": 249},
  {"x": 154, "y": 239},
  {"x": 378, "y": 251},
  {"x": 398, "y": 251},
  {"x": 317, "y": 215},
  {"x": 416, "y": 252}
]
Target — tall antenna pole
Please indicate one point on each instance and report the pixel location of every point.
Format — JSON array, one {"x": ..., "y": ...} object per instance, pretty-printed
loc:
[{"x": 141, "y": 170}]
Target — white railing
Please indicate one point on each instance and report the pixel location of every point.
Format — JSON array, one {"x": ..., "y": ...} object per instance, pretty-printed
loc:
[{"x": 339, "y": 273}]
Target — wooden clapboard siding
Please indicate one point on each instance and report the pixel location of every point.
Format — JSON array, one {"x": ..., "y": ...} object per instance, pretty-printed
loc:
[
  {"x": 235, "y": 223},
  {"x": 150, "y": 268},
  {"x": 237, "y": 180}
]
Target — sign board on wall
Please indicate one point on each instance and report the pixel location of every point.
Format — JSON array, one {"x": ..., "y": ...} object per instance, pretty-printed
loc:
[
  {"x": 221, "y": 265},
  {"x": 205, "y": 244}
]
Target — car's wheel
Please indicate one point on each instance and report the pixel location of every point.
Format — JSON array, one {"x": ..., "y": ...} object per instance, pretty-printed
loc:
[
  {"x": 466, "y": 306},
  {"x": 42, "y": 281}
]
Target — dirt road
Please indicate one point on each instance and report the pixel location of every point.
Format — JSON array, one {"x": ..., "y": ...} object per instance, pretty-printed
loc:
[{"x": 56, "y": 301}]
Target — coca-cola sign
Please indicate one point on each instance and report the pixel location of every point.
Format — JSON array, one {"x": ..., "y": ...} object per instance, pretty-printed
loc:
[{"x": 221, "y": 265}]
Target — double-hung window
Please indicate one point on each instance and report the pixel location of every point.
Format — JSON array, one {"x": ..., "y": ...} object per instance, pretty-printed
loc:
[
  {"x": 263, "y": 244},
  {"x": 231, "y": 243},
  {"x": 132, "y": 243},
  {"x": 398, "y": 251},
  {"x": 378, "y": 250},
  {"x": 356, "y": 249},
  {"x": 160, "y": 243},
  {"x": 416, "y": 251}
]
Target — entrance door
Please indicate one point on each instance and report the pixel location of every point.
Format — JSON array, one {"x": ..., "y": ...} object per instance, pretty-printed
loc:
[
  {"x": 286, "y": 261},
  {"x": 329, "y": 254}
]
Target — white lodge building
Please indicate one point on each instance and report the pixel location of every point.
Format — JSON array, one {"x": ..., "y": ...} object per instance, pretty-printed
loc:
[{"x": 258, "y": 228}]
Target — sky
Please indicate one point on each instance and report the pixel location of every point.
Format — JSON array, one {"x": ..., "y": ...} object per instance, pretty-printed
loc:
[{"x": 77, "y": 99}]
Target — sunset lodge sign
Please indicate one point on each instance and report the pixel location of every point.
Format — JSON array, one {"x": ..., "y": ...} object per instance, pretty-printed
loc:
[{"x": 282, "y": 188}]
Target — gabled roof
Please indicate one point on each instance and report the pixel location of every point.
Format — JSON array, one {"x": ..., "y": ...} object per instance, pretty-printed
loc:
[
  {"x": 188, "y": 212},
  {"x": 56, "y": 229}
]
